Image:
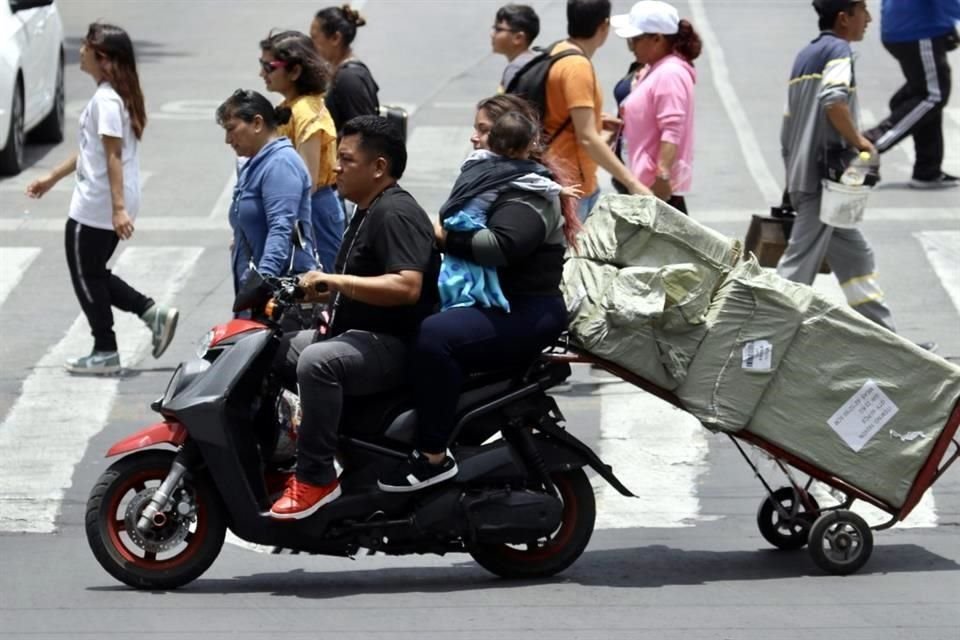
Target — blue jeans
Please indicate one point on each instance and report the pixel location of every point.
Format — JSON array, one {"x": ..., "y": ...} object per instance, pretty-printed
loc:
[
  {"x": 586, "y": 205},
  {"x": 328, "y": 227},
  {"x": 458, "y": 341}
]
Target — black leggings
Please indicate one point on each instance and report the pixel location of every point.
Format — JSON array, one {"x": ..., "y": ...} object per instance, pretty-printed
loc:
[
  {"x": 88, "y": 251},
  {"x": 455, "y": 342}
]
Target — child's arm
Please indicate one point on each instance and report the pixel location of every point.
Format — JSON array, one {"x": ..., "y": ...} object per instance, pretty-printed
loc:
[{"x": 572, "y": 191}]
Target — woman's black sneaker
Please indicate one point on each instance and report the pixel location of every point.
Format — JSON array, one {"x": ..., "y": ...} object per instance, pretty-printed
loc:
[{"x": 417, "y": 473}]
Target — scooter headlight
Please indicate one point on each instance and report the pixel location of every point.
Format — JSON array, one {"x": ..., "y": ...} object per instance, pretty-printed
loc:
[{"x": 204, "y": 345}]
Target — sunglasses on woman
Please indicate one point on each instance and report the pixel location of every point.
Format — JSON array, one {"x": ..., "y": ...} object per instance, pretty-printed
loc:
[{"x": 269, "y": 65}]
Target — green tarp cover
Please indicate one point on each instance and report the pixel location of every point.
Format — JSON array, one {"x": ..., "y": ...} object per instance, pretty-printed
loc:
[
  {"x": 820, "y": 381},
  {"x": 639, "y": 284}
]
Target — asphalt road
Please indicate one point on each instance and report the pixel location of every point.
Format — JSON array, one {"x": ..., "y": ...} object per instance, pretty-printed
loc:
[{"x": 685, "y": 561}]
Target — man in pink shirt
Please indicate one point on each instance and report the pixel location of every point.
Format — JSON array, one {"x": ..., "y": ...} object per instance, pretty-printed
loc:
[{"x": 658, "y": 113}]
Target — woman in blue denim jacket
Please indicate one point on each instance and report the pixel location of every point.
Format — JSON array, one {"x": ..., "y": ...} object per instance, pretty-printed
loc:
[{"x": 272, "y": 192}]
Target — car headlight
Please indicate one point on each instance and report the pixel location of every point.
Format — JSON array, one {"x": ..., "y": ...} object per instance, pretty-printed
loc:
[{"x": 204, "y": 345}]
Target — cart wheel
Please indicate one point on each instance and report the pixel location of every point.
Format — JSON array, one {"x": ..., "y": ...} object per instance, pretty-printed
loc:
[
  {"x": 841, "y": 542},
  {"x": 787, "y": 533}
]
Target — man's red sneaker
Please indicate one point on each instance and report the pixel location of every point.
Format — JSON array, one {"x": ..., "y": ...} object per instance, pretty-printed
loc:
[{"x": 301, "y": 500}]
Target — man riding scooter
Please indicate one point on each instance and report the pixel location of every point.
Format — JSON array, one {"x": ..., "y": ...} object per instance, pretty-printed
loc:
[{"x": 385, "y": 284}]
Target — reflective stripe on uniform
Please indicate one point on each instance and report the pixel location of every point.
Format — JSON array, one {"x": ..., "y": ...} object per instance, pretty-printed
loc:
[{"x": 862, "y": 289}]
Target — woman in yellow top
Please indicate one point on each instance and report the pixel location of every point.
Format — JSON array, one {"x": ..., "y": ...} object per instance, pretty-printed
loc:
[{"x": 291, "y": 67}]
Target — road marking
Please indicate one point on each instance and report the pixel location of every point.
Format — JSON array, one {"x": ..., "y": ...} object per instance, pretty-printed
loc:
[
  {"x": 14, "y": 262},
  {"x": 221, "y": 208},
  {"x": 48, "y": 429},
  {"x": 942, "y": 249},
  {"x": 658, "y": 451},
  {"x": 769, "y": 187}
]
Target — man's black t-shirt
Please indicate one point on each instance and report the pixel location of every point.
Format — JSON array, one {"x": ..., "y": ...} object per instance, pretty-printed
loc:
[
  {"x": 352, "y": 93},
  {"x": 393, "y": 235}
]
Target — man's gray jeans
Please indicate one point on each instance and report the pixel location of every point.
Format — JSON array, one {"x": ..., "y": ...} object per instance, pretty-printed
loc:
[{"x": 354, "y": 363}]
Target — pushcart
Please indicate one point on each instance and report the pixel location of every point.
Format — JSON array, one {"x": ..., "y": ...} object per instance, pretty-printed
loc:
[{"x": 839, "y": 540}]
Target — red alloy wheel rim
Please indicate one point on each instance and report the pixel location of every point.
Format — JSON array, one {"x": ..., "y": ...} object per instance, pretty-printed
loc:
[
  {"x": 116, "y": 525},
  {"x": 557, "y": 542}
]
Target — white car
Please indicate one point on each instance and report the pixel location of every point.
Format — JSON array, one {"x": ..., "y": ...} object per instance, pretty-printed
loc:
[{"x": 31, "y": 78}]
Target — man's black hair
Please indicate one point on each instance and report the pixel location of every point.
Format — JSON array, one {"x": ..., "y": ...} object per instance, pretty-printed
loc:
[
  {"x": 829, "y": 10},
  {"x": 380, "y": 138},
  {"x": 584, "y": 17},
  {"x": 521, "y": 19}
]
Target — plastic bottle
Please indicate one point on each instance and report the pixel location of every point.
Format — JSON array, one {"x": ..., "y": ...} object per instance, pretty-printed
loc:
[{"x": 859, "y": 171}]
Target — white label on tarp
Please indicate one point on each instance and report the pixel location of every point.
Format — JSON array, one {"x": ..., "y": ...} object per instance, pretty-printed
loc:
[
  {"x": 863, "y": 415},
  {"x": 758, "y": 355}
]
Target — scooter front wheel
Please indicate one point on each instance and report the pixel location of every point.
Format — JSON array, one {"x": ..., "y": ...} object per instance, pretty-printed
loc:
[
  {"x": 555, "y": 553},
  {"x": 182, "y": 542}
]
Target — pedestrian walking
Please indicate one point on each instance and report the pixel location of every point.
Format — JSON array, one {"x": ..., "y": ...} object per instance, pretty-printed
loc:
[
  {"x": 919, "y": 33},
  {"x": 272, "y": 193},
  {"x": 290, "y": 66},
  {"x": 820, "y": 121},
  {"x": 352, "y": 91},
  {"x": 658, "y": 113},
  {"x": 515, "y": 27},
  {"x": 574, "y": 119},
  {"x": 106, "y": 199}
]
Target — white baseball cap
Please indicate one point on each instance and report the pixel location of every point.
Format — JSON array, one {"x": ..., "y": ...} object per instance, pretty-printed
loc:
[{"x": 647, "y": 16}]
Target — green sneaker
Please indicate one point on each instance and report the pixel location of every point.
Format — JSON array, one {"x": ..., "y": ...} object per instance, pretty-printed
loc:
[
  {"x": 163, "y": 323},
  {"x": 98, "y": 363}
]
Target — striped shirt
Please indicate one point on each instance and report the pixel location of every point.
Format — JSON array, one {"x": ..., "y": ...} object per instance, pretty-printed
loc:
[{"x": 822, "y": 75}]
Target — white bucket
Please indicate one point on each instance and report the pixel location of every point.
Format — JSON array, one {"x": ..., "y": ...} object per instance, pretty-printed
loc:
[{"x": 843, "y": 205}]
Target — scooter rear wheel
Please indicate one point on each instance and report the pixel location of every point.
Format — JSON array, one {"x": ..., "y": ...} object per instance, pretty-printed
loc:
[
  {"x": 551, "y": 555},
  {"x": 178, "y": 549}
]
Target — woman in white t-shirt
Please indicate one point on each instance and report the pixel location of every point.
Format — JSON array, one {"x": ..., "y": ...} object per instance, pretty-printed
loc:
[{"x": 106, "y": 198}]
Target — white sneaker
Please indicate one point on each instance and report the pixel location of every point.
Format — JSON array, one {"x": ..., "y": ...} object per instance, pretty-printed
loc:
[{"x": 98, "y": 363}]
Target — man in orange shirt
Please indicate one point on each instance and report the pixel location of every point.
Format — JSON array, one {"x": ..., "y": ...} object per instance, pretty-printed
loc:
[{"x": 573, "y": 119}]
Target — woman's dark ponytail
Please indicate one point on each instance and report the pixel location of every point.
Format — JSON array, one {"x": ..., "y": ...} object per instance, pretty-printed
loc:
[
  {"x": 343, "y": 20},
  {"x": 686, "y": 43}
]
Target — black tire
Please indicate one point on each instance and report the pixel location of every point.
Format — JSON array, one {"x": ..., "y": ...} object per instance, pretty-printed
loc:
[
  {"x": 11, "y": 156},
  {"x": 563, "y": 547},
  {"x": 50, "y": 129},
  {"x": 840, "y": 542},
  {"x": 787, "y": 533},
  {"x": 124, "y": 558}
]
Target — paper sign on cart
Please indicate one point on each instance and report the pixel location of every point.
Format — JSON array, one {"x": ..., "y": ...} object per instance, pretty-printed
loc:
[
  {"x": 757, "y": 355},
  {"x": 863, "y": 415}
]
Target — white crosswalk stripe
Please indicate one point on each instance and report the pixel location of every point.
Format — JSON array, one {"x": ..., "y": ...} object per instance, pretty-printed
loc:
[
  {"x": 14, "y": 262},
  {"x": 46, "y": 432},
  {"x": 658, "y": 451}
]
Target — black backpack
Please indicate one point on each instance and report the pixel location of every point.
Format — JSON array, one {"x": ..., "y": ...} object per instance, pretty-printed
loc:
[{"x": 530, "y": 82}]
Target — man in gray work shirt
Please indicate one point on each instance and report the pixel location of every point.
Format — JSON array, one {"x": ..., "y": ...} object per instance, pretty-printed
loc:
[{"x": 822, "y": 113}]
